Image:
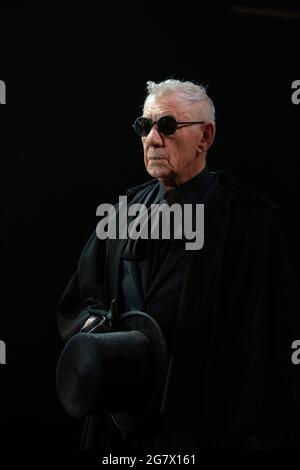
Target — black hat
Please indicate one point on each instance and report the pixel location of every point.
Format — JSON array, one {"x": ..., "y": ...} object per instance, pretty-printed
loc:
[{"x": 121, "y": 372}]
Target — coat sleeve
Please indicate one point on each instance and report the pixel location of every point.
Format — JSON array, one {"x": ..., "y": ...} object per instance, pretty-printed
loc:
[
  {"x": 84, "y": 295},
  {"x": 233, "y": 384},
  {"x": 267, "y": 401},
  {"x": 283, "y": 394}
]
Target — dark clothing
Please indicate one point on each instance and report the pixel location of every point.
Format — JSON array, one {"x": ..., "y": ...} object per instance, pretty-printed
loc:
[
  {"x": 166, "y": 260},
  {"x": 231, "y": 382}
]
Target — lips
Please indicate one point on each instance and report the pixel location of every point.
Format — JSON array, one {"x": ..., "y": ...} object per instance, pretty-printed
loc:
[
  {"x": 158, "y": 157},
  {"x": 158, "y": 161}
]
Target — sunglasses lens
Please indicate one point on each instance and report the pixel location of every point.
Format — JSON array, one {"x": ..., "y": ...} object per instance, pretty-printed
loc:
[
  {"x": 142, "y": 126},
  {"x": 167, "y": 125}
]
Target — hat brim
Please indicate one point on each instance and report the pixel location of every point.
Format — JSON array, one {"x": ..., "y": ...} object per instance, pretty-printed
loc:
[{"x": 120, "y": 372}]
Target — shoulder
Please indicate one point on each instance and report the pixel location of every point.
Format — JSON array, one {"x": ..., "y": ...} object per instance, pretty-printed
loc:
[
  {"x": 142, "y": 190},
  {"x": 240, "y": 195},
  {"x": 144, "y": 187},
  {"x": 245, "y": 210}
]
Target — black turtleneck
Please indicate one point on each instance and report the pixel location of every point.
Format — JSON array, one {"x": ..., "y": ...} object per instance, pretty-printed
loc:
[
  {"x": 191, "y": 191},
  {"x": 143, "y": 259}
]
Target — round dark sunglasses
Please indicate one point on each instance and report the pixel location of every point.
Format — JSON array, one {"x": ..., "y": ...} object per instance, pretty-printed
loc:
[{"x": 166, "y": 125}]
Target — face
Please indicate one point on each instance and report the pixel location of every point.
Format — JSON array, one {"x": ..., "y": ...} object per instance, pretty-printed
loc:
[{"x": 176, "y": 158}]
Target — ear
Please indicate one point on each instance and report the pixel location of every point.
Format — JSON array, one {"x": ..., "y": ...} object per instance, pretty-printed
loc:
[{"x": 208, "y": 136}]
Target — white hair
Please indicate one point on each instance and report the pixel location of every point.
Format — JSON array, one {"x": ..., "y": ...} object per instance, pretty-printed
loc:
[{"x": 190, "y": 91}]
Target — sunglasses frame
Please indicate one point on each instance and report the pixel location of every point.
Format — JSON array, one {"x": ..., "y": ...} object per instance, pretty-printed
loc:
[{"x": 151, "y": 124}]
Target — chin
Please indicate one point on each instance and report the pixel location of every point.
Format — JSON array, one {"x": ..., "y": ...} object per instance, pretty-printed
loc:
[{"x": 159, "y": 171}]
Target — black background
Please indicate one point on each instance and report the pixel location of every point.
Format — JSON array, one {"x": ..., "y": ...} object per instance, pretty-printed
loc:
[{"x": 75, "y": 78}]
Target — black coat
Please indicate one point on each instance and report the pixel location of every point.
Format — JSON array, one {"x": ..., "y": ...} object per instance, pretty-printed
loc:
[{"x": 231, "y": 381}]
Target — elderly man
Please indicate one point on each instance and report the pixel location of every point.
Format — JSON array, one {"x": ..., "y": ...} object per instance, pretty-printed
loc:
[{"x": 226, "y": 310}]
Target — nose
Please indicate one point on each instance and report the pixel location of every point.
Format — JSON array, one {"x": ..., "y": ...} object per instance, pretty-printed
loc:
[{"x": 154, "y": 138}]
